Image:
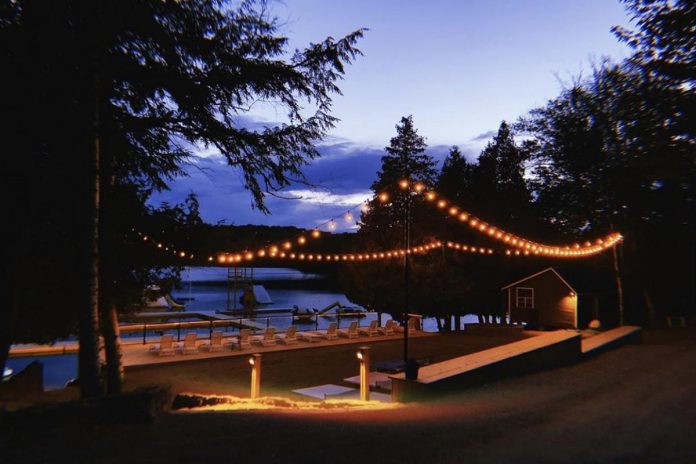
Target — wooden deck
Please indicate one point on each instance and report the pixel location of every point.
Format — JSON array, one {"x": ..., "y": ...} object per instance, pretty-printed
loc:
[
  {"x": 543, "y": 351},
  {"x": 609, "y": 339},
  {"x": 135, "y": 355}
]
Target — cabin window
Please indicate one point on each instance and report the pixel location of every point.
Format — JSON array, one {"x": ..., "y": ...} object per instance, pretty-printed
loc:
[{"x": 525, "y": 297}]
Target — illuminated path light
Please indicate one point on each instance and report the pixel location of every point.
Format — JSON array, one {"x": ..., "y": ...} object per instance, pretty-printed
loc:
[
  {"x": 363, "y": 356},
  {"x": 255, "y": 362}
]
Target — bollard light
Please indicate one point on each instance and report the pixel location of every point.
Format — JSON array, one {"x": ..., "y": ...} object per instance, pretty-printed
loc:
[
  {"x": 363, "y": 356},
  {"x": 255, "y": 362}
]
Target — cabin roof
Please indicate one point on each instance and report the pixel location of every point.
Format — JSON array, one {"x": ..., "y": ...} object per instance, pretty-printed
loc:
[{"x": 549, "y": 269}]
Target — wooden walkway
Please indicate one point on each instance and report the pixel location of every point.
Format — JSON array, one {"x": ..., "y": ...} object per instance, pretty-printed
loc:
[
  {"x": 609, "y": 339},
  {"x": 456, "y": 366},
  {"x": 541, "y": 352}
]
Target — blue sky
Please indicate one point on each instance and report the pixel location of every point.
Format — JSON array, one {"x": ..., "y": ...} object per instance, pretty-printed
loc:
[{"x": 459, "y": 67}]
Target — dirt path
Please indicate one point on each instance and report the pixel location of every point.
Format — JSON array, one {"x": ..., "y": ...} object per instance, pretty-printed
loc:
[{"x": 634, "y": 404}]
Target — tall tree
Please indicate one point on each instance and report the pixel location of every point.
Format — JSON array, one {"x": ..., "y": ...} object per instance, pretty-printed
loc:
[
  {"x": 134, "y": 87},
  {"x": 384, "y": 226}
]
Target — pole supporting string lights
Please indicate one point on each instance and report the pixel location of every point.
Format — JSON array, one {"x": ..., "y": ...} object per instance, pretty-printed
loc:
[{"x": 519, "y": 246}]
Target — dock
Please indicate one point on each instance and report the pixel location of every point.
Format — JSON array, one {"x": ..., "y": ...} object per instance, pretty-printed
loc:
[
  {"x": 610, "y": 339},
  {"x": 544, "y": 351}
]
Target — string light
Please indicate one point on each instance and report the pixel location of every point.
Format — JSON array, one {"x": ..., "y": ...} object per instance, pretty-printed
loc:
[{"x": 527, "y": 246}]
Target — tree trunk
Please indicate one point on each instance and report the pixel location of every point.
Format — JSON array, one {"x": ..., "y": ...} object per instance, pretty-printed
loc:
[
  {"x": 481, "y": 320},
  {"x": 458, "y": 322},
  {"x": 112, "y": 348},
  {"x": 439, "y": 324},
  {"x": 619, "y": 285},
  {"x": 90, "y": 385}
]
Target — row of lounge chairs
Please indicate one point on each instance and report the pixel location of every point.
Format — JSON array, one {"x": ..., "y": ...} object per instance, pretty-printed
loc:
[{"x": 167, "y": 346}]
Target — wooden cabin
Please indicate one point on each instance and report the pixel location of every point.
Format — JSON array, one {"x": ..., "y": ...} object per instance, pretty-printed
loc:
[{"x": 544, "y": 299}]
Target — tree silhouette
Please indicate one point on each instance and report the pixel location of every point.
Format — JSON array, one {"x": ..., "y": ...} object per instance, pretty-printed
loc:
[{"x": 133, "y": 88}]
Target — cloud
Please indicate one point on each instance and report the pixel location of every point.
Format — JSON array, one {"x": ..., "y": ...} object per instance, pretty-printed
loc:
[
  {"x": 484, "y": 136},
  {"x": 335, "y": 183}
]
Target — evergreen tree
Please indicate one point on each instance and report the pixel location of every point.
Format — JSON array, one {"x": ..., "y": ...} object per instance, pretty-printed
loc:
[
  {"x": 383, "y": 226},
  {"x": 455, "y": 178}
]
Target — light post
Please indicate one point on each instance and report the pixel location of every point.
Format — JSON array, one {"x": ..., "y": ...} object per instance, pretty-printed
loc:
[
  {"x": 406, "y": 185},
  {"x": 255, "y": 362},
  {"x": 364, "y": 358}
]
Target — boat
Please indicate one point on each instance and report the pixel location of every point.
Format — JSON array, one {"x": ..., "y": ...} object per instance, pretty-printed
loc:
[{"x": 303, "y": 314}]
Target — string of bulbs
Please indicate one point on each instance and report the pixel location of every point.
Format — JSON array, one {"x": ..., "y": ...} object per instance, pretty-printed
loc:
[{"x": 521, "y": 246}]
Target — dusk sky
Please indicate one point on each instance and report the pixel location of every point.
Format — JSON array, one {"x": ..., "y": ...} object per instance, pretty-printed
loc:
[{"x": 458, "y": 67}]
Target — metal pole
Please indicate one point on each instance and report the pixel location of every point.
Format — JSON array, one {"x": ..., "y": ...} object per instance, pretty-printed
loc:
[
  {"x": 144, "y": 333},
  {"x": 407, "y": 244}
]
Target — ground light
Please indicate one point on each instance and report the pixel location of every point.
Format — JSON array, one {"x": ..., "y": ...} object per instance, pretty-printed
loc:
[
  {"x": 364, "y": 358},
  {"x": 255, "y": 362}
]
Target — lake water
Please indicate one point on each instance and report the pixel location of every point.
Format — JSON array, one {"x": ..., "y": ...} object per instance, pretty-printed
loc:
[{"x": 204, "y": 289}]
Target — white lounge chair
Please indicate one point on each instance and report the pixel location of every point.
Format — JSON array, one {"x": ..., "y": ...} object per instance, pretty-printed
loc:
[
  {"x": 243, "y": 341},
  {"x": 331, "y": 332},
  {"x": 411, "y": 326},
  {"x": 268, "y": 338},
  {"x": 165, "y": 347},
  {"x": 370, "y": 330},
  {"x": 351, "y": 331},
  {"x": 215, "y": 343},
  {"x": 289, "y": 337},
  {"x": 188, "y": 346},
  {"x": 388, "y": 328}
]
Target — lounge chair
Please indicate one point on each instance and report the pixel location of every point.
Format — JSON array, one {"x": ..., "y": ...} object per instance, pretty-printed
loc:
[
  {"x": 165, "y": 347},
  {"x": 331, "y": 332},
  {"x": 215, "y": 343},
  {"x": 370, "y": 330},
  {"x": 351, "y": 331},
  {"x": 388, "y": 328},
  {"x": 309, "y": 337},
  {"x": 411, "y": 326},
  {"x": 188, "y": 346},
  {"x": 268, "y": 338},
  {"x": 243, "y": 341},
  {"x": 289, "y": 337}
]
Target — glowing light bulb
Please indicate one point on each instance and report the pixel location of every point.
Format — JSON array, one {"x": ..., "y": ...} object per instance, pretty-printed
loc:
[
  {"x": 463, "y": 217},
  {"x": 403, "y": 184},
  {"x": 316, "y": 233},
  {"x": 349, "y": 217},
  {"x": 419, "y": 187},
  {"x": 453, "y": 211},
  {"x": 430, "y": 196},
  {"x": 287, "y": 245},
  {"x": 332, "y": 225},
  {"x": 301, "y": 240},
  {"x": 383, "y": 197},
  {"x": 441, "y": 204}
]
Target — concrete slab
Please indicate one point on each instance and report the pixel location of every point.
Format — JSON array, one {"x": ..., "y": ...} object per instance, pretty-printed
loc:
[{"x": 322, "y": 392}]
